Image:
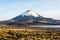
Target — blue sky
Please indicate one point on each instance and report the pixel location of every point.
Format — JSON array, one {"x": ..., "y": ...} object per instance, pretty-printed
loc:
[{"x": 46, "y": 8}]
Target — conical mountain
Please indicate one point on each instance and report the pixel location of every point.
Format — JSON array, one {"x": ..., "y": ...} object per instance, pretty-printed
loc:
[
  {"x": 32, "y": 17},
  {"x": 28, "y": 15}
]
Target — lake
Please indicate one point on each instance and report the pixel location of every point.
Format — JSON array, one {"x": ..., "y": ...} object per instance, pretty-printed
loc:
[{"x": 50, "y": 26}]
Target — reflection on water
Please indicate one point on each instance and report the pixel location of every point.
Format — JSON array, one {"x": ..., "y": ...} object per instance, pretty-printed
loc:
[
  {"x": 49, "y": 26},
  {"x": 54, "y": 26}
]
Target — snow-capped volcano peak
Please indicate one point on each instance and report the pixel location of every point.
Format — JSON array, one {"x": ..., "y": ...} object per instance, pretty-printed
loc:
[{"x": 30, "y": 13}]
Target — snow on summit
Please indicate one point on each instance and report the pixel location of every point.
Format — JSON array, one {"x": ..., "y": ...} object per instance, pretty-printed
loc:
[{"x": 30, "y": 12}]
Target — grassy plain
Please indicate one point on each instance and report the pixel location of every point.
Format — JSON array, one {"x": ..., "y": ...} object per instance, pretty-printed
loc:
[{"x": 22, "y": 33}]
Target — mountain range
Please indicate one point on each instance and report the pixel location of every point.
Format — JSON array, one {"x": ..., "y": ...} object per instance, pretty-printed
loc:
[{"x": 31, "y": 17}]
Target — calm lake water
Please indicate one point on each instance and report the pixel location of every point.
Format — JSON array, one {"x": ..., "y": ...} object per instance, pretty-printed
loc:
[{"x": 50, "y": 26}]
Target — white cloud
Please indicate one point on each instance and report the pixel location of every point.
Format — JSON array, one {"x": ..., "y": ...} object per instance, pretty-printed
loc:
[{"x": 54, "y": 15}]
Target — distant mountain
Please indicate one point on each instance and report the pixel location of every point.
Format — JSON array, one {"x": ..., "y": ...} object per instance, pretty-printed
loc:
[
  {"x": 28, "y": 15},
  {"x": 33, "y": 18}
]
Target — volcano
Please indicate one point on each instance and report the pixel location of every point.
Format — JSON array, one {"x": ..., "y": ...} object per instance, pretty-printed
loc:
[{"x": 30, "y": 16}]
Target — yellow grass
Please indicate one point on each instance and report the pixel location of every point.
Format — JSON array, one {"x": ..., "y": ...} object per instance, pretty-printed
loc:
[{"x": 27, "y": 34}]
